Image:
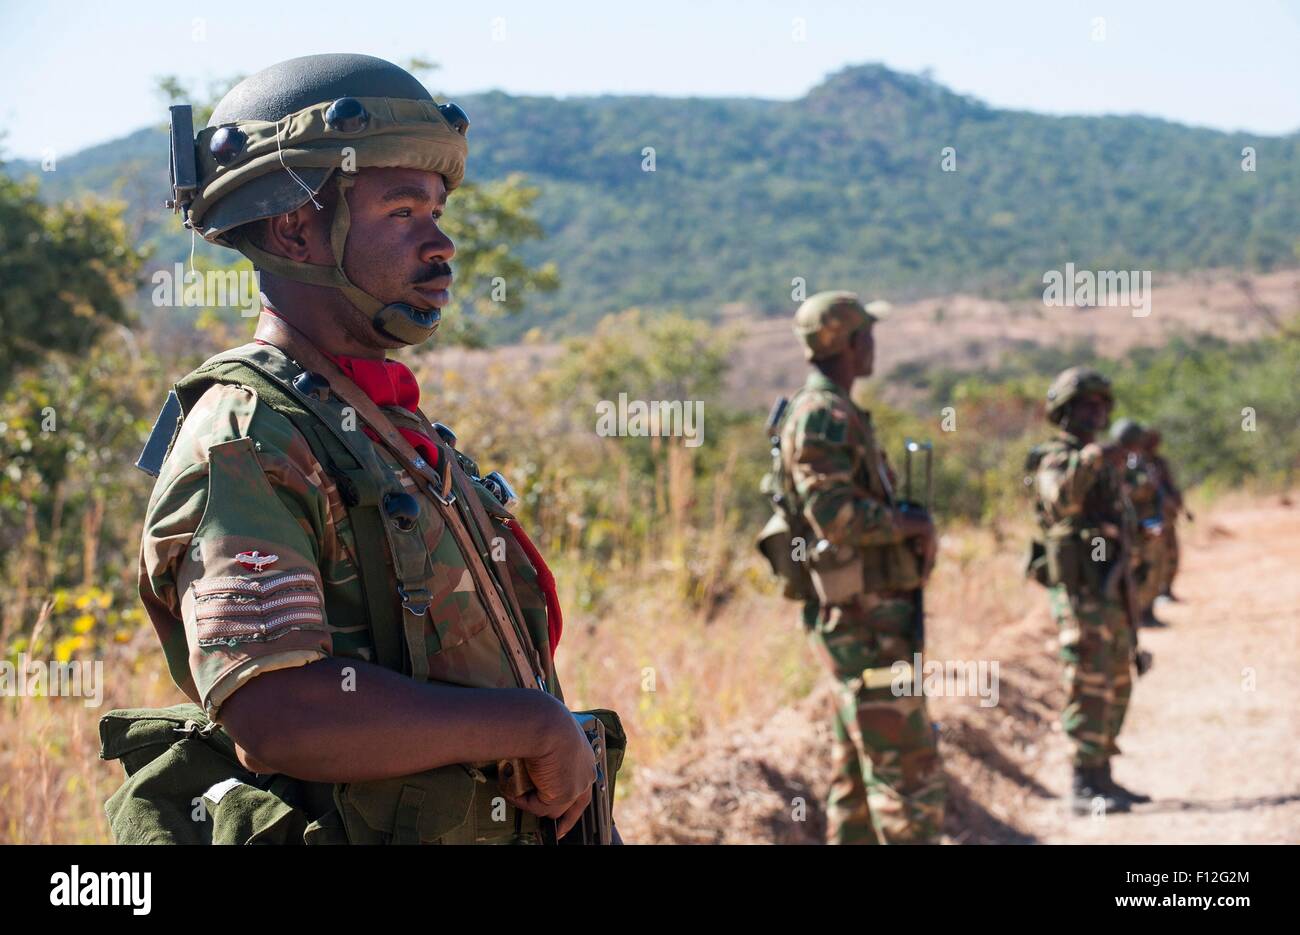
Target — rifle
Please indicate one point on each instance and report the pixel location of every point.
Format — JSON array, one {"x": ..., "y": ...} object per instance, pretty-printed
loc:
[
  {"x": 909, "y": 505},
  {"x": 596, "y": 826}
]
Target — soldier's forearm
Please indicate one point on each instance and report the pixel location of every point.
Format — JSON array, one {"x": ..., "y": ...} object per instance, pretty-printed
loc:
[{"x": 304, "y": 723}]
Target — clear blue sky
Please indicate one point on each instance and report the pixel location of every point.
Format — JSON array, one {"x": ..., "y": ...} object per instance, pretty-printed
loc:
[{"x": 78, "y": 73}]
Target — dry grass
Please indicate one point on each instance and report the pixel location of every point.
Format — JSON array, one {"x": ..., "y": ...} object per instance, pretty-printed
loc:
[
  {"x": 726, "y": 714},
  {"x": 679, "y": 680}
]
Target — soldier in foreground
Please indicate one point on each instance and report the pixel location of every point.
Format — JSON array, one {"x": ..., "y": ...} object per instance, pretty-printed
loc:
[
  {"x": 367, "y": 629},
  {"x": 1087, "y": 528},
  {"x": 868, "y": 558}
]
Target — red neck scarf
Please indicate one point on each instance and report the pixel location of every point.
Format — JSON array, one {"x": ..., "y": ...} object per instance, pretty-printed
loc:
[{"x": 391, "y": 383}]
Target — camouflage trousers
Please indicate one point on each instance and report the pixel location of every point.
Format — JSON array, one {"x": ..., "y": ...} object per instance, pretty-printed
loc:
[
  {"x": 888, "y": 785},
  {"x": 1152, "y": 574},
  {"x": 1171, "y": 545},
  {"x": 1096, "y": 648}
]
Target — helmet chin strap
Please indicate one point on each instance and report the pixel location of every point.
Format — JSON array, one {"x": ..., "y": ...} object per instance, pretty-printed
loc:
[{"x": 397, "y": 320}]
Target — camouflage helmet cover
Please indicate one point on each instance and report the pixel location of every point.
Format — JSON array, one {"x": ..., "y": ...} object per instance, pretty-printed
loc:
[
  {"x": 825, "y": 323},
  {"x": 1070, "y": 385}
]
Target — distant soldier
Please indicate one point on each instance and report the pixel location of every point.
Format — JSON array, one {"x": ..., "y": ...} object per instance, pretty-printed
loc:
[
  {"x": 869, "y": 557},
  {"x": 1151, "y": 550},
  {"x": 1174, "y": 506},
  {"x": 1087, "y": 528}
]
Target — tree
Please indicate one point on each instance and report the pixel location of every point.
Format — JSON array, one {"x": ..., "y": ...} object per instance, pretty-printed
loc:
[{"x": 67, "y": 268}]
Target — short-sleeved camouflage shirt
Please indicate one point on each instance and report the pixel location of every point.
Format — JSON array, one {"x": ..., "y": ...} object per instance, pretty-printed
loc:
[
  {"x": 249, "y": 562},
  {"x": 841, "y": 478}
]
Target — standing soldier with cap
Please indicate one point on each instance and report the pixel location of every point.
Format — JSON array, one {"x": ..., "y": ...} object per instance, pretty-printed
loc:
[
  {"x": 367, "y": 629},
  {"x": 1087, "y": 529},
  {"x": 868, "y": 558}
]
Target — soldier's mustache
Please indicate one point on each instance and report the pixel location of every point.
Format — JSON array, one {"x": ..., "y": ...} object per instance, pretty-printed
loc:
[{"x": 437, "y": 271}]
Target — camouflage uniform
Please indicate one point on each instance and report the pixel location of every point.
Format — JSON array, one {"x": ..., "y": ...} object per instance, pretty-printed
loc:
[
  {"x": 888, "y": 785},
  {"x": 1151, "y": 559},
  {"x": 251, "y": 558},
  {"x": 1171, "y": 501},
  {"x": 1077, "y": 492}
]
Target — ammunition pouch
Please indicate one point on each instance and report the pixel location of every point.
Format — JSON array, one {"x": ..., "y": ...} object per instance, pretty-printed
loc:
[
  {"x": 448, "y": 805},
  {"x": 1065, "y": 558},
  {"x": 777, "y": 544},
  {"x": 185, "y": 784},
  {"x": 894, "y": 567},
  {"x": 1070, "y": 562},
  {"x": 837, "y": 574}
]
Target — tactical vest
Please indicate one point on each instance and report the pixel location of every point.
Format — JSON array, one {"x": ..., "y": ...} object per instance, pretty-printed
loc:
[
  {"x": 1064, "y": 551},
  {"x": 884, "y": 568},
  {"x": 452, "y": 804}
]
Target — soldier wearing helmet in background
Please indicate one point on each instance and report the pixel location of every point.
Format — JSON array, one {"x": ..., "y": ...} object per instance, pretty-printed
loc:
[
  {"x": 365, "y": 632},
  {"x": 868, "y": 556},
  {"x": 1173, "y": 507},
  {"x": 1087, "y": 530},
  {"x": 1142, "y": 484}
]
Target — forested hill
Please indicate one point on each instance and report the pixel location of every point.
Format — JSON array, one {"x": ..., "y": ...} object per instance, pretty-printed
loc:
[{"x": 844, "y": 187}]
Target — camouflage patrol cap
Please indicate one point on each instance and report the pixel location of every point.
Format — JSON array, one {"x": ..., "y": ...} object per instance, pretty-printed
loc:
[
  {"x": 826, "y": 321},
  {"x": 1126, "y": 432},
  {"x": 1070, "y": 385}
]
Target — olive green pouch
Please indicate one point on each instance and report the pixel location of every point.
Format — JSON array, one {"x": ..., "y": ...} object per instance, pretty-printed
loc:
[
  {"x": 185, "y": 784},
  {"x": 1065, "y": 557},
  {"x": 433, "y": 807},
  {"x": 894, "y": 567},
  {"x": 776, "y": 543}
]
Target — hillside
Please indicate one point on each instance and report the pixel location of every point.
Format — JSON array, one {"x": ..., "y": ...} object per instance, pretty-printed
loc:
[
  {"x": 841, "y": 187},
  {"x": 963, "y": 333}
]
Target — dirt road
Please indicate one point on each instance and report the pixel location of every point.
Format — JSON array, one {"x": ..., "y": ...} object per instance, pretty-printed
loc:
[{"x": 1213, "y": 734}]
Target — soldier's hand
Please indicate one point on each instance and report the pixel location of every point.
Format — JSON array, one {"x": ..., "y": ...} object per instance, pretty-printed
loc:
[{"x": 562, "y": 774}]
